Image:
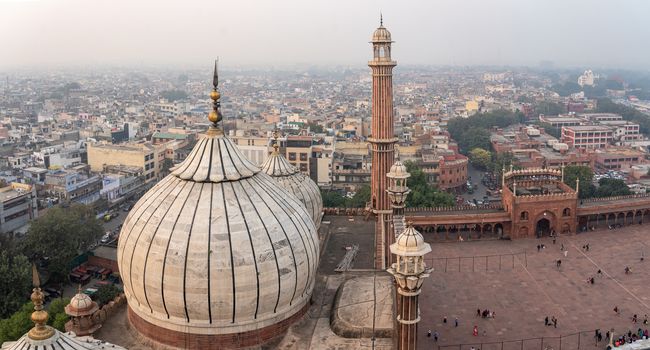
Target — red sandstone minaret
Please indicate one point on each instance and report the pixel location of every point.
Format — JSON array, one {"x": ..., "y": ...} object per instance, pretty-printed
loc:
[{"x": 382, "y": 140}]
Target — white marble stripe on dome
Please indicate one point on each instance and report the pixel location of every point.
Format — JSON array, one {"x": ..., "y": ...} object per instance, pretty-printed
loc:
[
  {"x": 263, "y": 249},
  {"x": 281, "y": 244},
  {"x": 151, "y": 201},
  {"x": 215, "y": 159},
  {"x": 175, "y": 258},
  {"x": 245, "y": 265},
  {"x": 182, "y": 170},
  {"x": 202, "y": 172},
  {"x": 224, "y": 271},
  {"x": 300, "y": 226},
  {"x": 277, "y": 165},
  {"x": 159, "y": 239},
  {"x": 307, "y": 271},
  {"x": 154, "y": 200},
  {"x": 195, "y": 279},
  {"x": 146, "y": 241}
]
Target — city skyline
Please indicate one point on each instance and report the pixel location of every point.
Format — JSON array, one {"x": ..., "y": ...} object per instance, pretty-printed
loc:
[{"x": 61, "y": 33}]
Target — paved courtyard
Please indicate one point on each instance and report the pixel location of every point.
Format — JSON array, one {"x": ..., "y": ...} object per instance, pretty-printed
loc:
[{"x": 521, "y": 296}]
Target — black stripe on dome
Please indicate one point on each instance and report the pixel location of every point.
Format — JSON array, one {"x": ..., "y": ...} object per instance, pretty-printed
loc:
[
  {"x": 232, "y": 259},
  {"x": 250, "y": 240},
  {"x": 209, "y": 239},
  {"x": 293, "y": 255},
  {"x": 155, "y": 232},
  {"x": 171, "y": 235},
  {"x": 135, "y": 244},
  {"x": 187, "y": 249},
  {"x": 305, "y": 223},
  {"x": 275, "y": 255},
  {"x": 275, "y": 196}
]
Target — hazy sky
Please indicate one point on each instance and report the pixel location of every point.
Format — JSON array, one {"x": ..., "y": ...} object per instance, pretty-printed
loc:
[{"x": 581, "y": 33}]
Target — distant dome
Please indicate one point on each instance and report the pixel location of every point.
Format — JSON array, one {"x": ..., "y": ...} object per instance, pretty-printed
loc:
[
  {"x": 81, "y": 305},
  {"x": 381, "y": 34},
  {"x": 291, "y": 179},
  {"x": 217, "y": 251}
]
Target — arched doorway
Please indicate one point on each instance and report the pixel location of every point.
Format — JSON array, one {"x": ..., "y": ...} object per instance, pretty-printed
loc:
[{"x": 543, "y": 227}]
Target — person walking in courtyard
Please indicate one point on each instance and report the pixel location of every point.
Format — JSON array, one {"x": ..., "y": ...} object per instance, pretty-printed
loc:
[
  {"x": 435, "y": 336},
  {"x": 475, "y": 331},
  {"x": 566, "y": 252},
  {"x": 616, "y": 311},
  {"x": 444, "y": 319},
  {"x": 546, "y": 321},
  {"x": 554, "y": 322},
  {"x": 634, "y": 318},
  {"x": 478, "y": 312},
  {"x": 456, "y": 322},
  {"x": 562, "y": 247},
  {"x": 429, "y": 333}
]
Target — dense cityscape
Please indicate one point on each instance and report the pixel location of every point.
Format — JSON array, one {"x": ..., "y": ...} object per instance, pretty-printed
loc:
[{"x": 325, "y": 206}]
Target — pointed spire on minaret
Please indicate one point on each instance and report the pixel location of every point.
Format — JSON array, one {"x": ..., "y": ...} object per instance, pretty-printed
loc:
[
  {"x": 41, "y": 330},
  {"x": 215, "y": 116},
  {"x": 381, "y": 19}
]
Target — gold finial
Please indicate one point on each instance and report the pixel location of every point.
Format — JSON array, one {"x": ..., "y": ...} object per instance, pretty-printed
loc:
[
  {"x": 276, "y": 146},
  {"x": 381, "y": 19},
  {"x": 215, "y": 116},
  {"x": 40, "y": 331}
]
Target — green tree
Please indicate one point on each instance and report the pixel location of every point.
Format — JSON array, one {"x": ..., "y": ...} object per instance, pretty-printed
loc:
[
  {"x": 105, "y": 294},
  {"x": 173, "y": 95},
  {"x": 316, "y": 128},
  {"x": 60, "y": 235},
  {"x": 15, "y": 270},
  {"x": 611, "y": 187},
  {"x": 422, "y": 193},
  {"x": 480, "y": 158},
  {"x": 567, "y": 88},
  {"x": 18, "y": 324},
  {"x": 549, "y": 108},
  {"x": 360, "y": 198},
  {"x": 332, "y": 199},
  {"x": 474, "y": 132},
  {"x": 585, "y": 174},
  {"x": 58, "y": 317}
]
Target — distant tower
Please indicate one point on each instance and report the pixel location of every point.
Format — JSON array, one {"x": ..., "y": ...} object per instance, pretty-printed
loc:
[{"x": 383, "y": 139}]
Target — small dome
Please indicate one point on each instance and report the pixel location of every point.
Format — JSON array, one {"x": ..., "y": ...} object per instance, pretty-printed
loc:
[
  {"x": 81, "y": 305},
  {"x": 410, "y": 243},
  {"x": 216, "y": 248},
  {"x": 381, "y": 35},
  {"x": 398, "y": 171},
  {"x": 292, "y": 180}
]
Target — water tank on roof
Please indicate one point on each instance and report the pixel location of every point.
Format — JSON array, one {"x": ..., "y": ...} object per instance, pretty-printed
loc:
[
  {"x": 559, "y": 146},
  {"x": 532, "y": 132}
]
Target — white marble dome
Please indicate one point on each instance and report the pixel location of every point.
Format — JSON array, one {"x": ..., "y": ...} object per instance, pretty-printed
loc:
[
  {"x": 291, "y": 179},
  {"x": 217, "y": 247}
]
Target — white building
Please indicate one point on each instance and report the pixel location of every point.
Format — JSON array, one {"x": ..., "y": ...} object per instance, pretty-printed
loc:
[{"x": 587, "y": 78}]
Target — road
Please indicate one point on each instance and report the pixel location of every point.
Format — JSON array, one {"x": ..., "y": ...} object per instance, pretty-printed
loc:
[{"x": 476, "y": 176}]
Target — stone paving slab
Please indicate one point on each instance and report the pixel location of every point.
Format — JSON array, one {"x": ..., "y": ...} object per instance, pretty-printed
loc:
[{"x": 522, "y": 296}]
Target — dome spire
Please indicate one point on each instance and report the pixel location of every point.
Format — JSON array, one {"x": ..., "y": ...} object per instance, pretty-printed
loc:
[
  {"x": 215, "y": 115},
  {"x": 381, "y": 19},
  {"x": 40, "y": 331}
]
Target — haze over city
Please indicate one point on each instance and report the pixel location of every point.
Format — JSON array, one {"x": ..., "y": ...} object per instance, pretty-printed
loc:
[{"x": 65, "y": 33}]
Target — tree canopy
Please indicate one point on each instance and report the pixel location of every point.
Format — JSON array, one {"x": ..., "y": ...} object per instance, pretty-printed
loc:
[
  {"x": 333, "y": 199},
  {"x": 474, "y": 132},
  {"x": 611, "y": 187},
  {"x": 15, "y": 283},
  {"x": 585, "y": 174},
  {"x": 60, "y": 235},
  {"x": 567, "y": 88},
  {"x": 549, "y": 108},
  {"x": 480, "y": 158},
  {"x": 173, "y": 95},
  {"x": 422, "y": 193}
]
